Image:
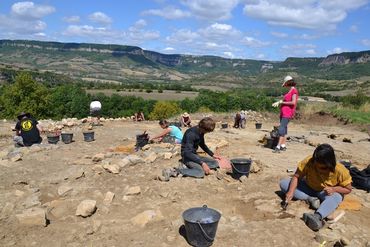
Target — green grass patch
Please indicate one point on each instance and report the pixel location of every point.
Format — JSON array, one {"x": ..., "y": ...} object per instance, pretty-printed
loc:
[{"x": 356, "y": 116}]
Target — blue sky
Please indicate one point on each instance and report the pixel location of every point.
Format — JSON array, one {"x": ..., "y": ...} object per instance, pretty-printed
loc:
[{"x": 255, "y": 29}]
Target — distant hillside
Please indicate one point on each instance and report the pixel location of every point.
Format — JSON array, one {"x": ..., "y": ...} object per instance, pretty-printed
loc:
[{"x": 131, "y": 64}]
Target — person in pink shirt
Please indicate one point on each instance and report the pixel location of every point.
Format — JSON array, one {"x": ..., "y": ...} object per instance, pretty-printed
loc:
[{"x": 287, "y": 110}]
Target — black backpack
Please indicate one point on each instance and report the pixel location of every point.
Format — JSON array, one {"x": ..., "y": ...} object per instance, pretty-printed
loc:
[
  {"x": 361, "y": 179},
  {"x": 141, "y": 141}
]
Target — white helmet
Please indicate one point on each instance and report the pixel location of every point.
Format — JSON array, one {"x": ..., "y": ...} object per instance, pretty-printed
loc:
[{"x": 287, "y": 78}]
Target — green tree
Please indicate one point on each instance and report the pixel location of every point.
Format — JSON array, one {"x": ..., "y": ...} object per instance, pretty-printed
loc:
[
  {"x": 25, "y": 95},
  {"x": 189, "y": 105},
  {"x": 164, "y": 110},
  {"x": 69, "y": 101}
]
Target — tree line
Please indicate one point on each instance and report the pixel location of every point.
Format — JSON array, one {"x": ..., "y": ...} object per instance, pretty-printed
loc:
[{"x": 71, "y": 100}]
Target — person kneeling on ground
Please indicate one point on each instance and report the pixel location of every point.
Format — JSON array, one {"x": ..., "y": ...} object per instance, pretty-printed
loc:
[
  {"x": 195, "y": 165},
  {"x": 27, "y": 131},
  {"x": 185, "y": 120},
  {"x": 192, "y": 164},
  {"x": 169, "y": 130},
  {"x": 139, "y": 116},
  {"x": 318, "y": 179}
]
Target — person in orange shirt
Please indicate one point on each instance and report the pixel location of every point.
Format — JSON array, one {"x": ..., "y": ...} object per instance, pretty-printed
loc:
[{"x": 320, "y": 181}]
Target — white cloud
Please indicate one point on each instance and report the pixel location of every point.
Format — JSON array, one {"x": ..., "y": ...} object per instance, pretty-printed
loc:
[
  {"x": 305, "y": 36},
  {"x": 336, "y": 50},
  {"x": 140, "y": 24},
  {"x": 137, "y": 34},
  {"x": 219, "y": 32},
  {"x": 90, "y": 31},
  {"x": 215, "y": 47},
  {"x": 279, "y": 34},
  {"x": 221, "y": 27},
  {"x": 310, "y": 52},
  {"x": 30, "y": 11},
  {"x": 353, "y": 28},
  {"x": 21, "y": 27},
  {"x": 167, "y": 49},
  {"x": 344, "y": 5},
  {"x": 182, "y": 36},
  {"x": 253, "y": 42},
  {"x": 298, "y": 46},
  {"x": 311, "y": 14},
  {"x": 299, "y": 50},
  {"x": 24, "y": 20},
  {"x": 168, "y": 13},
  {"x": 211, "y": 10},
  {"x": 365, "y": 42},
  {"x": 71, "y": 19},
  {"x": 229, "y": 54},
  {"x": 137, "y": 37},
  {"x": 211, "y": 45},
  {"x": 40, "y": 35},
  {"x": 261, "y": 56},
  {"x": 134, "y": 35},
  {"x": 101, "y": 18}
]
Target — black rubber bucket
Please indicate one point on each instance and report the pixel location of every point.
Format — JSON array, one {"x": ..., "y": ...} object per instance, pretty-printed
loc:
[
  {"x": 53, "y": 139},
  {"x": 141, "y": 141},
  {"x": 67, "y": 137},
  {"x": 224, "y": 125},
  {"x": 88, "y": 136},
  {"x": 201, "y": 225},
  {"x": 258, "y": 126},
  {"x": 241, "y": 167}
]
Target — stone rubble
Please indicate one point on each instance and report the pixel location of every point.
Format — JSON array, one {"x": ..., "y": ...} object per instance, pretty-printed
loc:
[
  {"x": 86, "y": 208},
  {"x": 33, "y": 216}
]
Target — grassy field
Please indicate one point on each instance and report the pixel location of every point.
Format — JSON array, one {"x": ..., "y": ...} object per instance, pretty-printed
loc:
[
  {"x": 166, "y": 95},
  {"x": 355, "y": 116},
  {"x": 361, "y": 116}
]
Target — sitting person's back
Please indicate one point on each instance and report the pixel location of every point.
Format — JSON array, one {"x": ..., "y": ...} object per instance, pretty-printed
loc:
[{"x": 27, "y": 130}]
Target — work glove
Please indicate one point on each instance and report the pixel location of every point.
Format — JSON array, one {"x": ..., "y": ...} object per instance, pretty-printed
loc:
[{"x": 277, "y": 103}]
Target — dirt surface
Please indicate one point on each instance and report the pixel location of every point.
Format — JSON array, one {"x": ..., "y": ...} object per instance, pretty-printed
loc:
[{"x": 251, "y": 213}]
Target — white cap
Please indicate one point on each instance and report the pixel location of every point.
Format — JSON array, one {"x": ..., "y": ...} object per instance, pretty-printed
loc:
[
  {"x": 287, "y": 78},
  {"x": 95, "y": 105}
]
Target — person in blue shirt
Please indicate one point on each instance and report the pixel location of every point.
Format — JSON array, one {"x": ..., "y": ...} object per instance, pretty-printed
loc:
[{"x": 169, "y": 130}]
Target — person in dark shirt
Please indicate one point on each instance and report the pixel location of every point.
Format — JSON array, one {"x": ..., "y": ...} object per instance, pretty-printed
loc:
[
  {"x": 27, "y": 131},
  {"x": 197, "y": 166},
  {"x": 237, "y": 120}
]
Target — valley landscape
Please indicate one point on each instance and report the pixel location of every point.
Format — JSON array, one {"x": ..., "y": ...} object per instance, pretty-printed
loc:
[{"x": 43, "y": 186}]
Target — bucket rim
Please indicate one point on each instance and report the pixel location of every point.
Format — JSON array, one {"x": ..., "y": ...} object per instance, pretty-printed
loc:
[
  {"x": 241, "y": 160},
  {"x": 186, "y": 214},
  {"x": 87, "y": 132}
]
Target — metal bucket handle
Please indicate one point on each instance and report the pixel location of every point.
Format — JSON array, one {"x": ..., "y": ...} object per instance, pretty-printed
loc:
[
  {"x": 204, "y": 232},
  {"x": 237, "y": 169}
]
